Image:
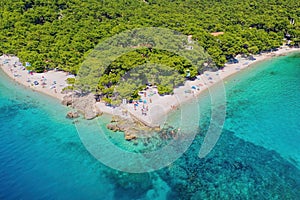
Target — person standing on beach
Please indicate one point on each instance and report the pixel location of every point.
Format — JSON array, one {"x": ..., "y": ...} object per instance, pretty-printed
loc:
[{"x": 134, "y": 105}]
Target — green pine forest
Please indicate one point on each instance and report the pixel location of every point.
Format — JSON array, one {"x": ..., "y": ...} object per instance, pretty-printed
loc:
[{"x": 61, "y": 33}]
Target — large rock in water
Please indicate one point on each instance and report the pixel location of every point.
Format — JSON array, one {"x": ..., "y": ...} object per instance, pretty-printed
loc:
[
  {"x": 132, "y": 129},
  {"x": 113, "y": 127},
  {"x": 130, "y": 137},
  {"x": 72, "y": 115}
]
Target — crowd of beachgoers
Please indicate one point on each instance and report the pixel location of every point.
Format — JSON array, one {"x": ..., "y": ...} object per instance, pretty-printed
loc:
[
  {"x": 151, "y": 108},
  {"x": 49, "y": 82}
]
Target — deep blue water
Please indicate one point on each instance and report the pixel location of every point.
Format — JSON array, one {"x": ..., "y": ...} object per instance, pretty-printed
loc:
[{"x": 256, "y": 157}]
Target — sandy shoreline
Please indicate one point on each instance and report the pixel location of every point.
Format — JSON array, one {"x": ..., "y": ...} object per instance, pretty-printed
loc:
[
  {"x": 153, "y": 108},
  {"x": 159, "y": 106},
  {"x": 50, "y": 83}
]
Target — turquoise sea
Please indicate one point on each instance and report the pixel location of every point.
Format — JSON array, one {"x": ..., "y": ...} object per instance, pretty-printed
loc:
[{"x": 256, "y": 157}]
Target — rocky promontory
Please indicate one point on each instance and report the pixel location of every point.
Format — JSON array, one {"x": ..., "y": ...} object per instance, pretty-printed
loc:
[
  {"x": 84, "y": 104},
  {"x": 131, "y": 128}
]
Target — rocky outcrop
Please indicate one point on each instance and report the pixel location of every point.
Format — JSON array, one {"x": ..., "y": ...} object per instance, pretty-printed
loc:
[
  {"x": 129, "y": 137},
  {"x": 72, "y": 115},
  {"x": 67, "y": 100},
  {"x": 113, "y": 126},
  {"x": 132, "y": 129},
  {"x": 83, "y": 103}
]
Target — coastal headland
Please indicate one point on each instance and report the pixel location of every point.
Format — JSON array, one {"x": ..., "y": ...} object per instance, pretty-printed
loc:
[{"x": 149, "y": 111}]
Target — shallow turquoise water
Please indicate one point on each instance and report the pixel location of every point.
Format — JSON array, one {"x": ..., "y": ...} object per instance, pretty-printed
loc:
[
  {"x": 264, "y": 106},
  {"x": 256, "y": 157}
]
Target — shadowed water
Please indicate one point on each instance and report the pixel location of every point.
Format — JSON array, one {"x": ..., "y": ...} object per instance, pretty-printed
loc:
[{"x": 42, "y": 157}]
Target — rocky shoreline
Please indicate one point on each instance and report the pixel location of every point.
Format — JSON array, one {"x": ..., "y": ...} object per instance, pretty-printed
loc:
[{"x": 84, "y": 104}]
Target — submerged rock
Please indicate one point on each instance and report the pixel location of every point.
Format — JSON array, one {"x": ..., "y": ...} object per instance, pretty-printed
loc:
[
  {"x": 72, "y": 115},
  {"x": 135, "y": 184},
  {"x": 129, "y": 137},
  {"x": 132, "y": 129},
  {"x": 113, "y": 127}
]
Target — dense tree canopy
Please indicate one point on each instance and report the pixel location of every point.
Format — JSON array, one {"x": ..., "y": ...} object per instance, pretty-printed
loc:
[{"x": 61, "y": 33}]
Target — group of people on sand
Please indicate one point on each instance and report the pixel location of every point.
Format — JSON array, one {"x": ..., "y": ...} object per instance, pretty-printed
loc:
[
  {"x": 16, "y": 67},
  {"x": 144, "y": 108}
]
